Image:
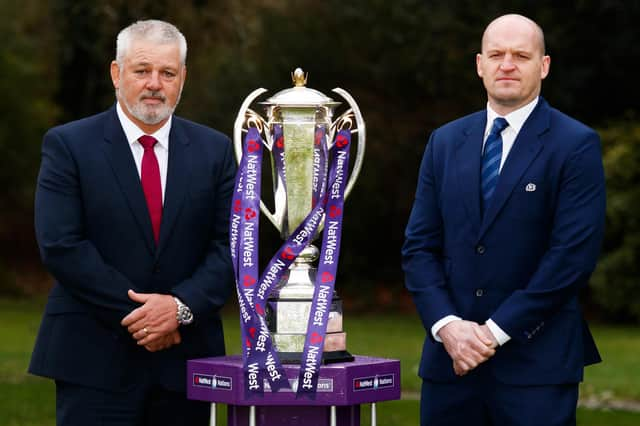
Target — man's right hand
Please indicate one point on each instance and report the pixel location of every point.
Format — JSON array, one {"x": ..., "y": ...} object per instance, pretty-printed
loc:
[{"x": 467, "y": 345}]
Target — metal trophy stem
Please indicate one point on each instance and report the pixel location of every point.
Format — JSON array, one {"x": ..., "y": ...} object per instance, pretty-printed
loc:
[{"x": 299, "y": 111}]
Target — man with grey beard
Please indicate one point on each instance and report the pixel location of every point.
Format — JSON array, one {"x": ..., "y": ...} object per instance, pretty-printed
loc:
[{"x": 131, "y": 218}]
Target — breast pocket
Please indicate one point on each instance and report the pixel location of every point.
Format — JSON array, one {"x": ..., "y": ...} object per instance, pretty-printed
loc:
[{"x": 529, "y": 202}]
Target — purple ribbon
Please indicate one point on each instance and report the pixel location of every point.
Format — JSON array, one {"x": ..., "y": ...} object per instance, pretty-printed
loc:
[
  {"x": 244, "y": 224},
  {"x": 319, "y": 162},
  {"x": 278, "y": 154},
  {"x": 327, "y": 268},
  {"x": 283, "y": 258},
  {"x": 259, "y": 355}
]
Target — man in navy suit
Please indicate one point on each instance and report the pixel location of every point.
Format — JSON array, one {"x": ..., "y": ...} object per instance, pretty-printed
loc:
[
  {"x": 131, "y": 218},
  {"x": 505, "y": 231}
]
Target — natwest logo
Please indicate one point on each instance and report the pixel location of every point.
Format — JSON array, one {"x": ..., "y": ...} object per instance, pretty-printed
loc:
[
  {"x": 324, "y": 385},
  {"x": 373, "y": 382},
  {"x": 212, "y": 382}
]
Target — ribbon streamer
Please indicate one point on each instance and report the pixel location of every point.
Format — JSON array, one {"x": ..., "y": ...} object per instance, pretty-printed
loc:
[
  {"x": 327, "y": 269},
  {"x": 259, "y": 355}
]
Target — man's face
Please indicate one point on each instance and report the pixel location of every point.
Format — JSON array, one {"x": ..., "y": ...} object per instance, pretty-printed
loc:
[
  {"x": 149, "y": 82},
  {"x": 512, "y": 64}
]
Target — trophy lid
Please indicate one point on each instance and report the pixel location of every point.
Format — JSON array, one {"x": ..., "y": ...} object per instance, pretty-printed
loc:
[{"x": 299, "y": 95}]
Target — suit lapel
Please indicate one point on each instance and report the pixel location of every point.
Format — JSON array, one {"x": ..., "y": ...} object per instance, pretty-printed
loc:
[
  {"x": 467, "y": 163},
  {"x": 525, "y": 149},
  {"x": 118, "y": 153},
  {"x": 178, "y": 177}
]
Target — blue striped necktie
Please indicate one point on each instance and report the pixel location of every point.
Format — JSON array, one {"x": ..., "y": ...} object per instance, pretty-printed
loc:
[{"x": 491, "y": 160}]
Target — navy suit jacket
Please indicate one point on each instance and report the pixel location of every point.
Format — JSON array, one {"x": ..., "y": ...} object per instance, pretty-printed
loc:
[
  {"x": 524, "y": 261},
  {"x": 96, "y": 239}
]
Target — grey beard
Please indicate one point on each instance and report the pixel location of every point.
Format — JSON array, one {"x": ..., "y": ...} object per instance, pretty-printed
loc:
[{"x": 150, "y": 115}]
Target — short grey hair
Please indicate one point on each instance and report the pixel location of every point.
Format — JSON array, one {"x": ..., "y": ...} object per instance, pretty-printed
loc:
[{"x": 160, "y": 32}]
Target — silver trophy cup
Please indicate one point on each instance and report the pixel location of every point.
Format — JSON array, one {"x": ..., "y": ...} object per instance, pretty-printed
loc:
[{"x": 299, "y": 111}]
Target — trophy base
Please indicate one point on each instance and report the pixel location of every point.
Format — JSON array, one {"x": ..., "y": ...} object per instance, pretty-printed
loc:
[
  {"x": 289, "y": 308},
  {"x": 330, "y": 357}
]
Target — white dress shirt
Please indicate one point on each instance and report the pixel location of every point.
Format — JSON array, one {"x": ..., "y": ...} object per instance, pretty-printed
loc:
[
  {"x": 516, "y": 120},
  {"x": 161, "y": 149}
]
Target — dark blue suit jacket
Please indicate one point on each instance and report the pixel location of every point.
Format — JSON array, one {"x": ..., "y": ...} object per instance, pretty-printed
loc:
[
  {"x": 96, "y": 239},
  {"x": 524, "y": 262}
]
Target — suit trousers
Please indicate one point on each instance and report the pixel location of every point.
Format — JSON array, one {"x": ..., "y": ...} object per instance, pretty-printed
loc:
[
  {"x": 478, "y": 399},
  {"x": 145, "y": 405}
]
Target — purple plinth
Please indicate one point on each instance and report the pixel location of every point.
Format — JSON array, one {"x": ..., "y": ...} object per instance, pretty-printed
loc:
[{"x": 345, "y": 385}]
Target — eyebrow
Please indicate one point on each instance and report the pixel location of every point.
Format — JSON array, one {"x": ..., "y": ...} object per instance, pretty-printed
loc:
[
  {"x": 162, "y": 66},
  {"x": 512, "y": 49}
]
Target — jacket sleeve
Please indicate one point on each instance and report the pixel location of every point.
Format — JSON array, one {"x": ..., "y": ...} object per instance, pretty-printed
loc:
[
  {"x": 576, "y": 236},
  {"x": 64, "y": 248},
  {"x": 422, "y": 257}
]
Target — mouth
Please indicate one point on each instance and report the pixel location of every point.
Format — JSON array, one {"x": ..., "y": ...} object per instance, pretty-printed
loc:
[{"x": 152, "y": 99}]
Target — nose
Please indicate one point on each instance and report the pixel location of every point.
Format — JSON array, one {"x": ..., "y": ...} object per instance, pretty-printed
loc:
[
  {"x": 154, "y": 81},
  {"x": 507, "y": 63}
]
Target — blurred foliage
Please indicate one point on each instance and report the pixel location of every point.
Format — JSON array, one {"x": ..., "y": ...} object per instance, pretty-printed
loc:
[
  {"x": 410, "y": 65},
  {"x": 615, "y": 282},
  {"x": 26, "y": 111}
]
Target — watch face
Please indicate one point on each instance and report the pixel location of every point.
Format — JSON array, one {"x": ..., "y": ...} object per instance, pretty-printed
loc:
[{"x": 185, "y": 315}]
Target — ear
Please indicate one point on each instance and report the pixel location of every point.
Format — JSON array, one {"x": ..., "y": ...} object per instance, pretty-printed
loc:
[
  {"x": 478, "y": 64},
  {"x": 544, "y": 69},
  {"x": 115, "y": 74}
]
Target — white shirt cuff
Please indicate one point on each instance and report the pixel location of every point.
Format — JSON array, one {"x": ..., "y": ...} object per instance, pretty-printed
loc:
[
  {"x": 497, "y": 332},
  {"x": 441, "y": 323}
]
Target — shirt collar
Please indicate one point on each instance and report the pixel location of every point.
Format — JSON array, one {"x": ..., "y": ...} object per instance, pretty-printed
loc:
[
  {"x": 133, "y": 132},
  {"x": 515, "y": 118}
]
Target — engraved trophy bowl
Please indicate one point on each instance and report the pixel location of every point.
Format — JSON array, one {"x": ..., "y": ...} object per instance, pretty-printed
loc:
[{"x": 295, "y": 114}]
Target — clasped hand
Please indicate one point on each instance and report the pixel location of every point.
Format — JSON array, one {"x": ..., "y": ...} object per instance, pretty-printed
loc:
[
  {"x": 468, "y": 344},
  {"x": 153, "y": 324}
]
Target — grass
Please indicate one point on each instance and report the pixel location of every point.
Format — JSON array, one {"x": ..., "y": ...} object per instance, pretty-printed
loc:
[
  {"x": 29, "y": 401},
  {"x": 618, "y": 376},
  {"x": 24, "y": 400}
]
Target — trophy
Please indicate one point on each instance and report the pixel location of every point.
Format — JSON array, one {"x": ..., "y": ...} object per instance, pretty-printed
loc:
[{"x": 299, "y": 132}]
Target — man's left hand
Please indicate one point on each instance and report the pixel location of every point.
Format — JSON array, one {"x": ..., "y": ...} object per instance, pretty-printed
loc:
[
  {"x": 458, "y": 368},
  {"x": 154, "y": 319},
  {"x": 487, "y": 331},
  {"x": 164, "y": 342}
]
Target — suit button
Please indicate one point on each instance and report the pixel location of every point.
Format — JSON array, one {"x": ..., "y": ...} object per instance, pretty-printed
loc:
[
  {"x": 480, "y": 249},
  {"x": 480, "y": 292}
]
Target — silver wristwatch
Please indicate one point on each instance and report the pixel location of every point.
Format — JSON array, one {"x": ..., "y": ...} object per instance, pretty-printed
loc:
[{"x": 183, "y": 314}]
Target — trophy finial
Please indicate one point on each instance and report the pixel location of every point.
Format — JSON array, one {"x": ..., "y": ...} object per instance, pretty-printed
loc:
[{"x": 299, "y": 77}]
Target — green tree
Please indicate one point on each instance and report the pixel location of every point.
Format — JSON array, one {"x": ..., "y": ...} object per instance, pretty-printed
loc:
[
  {"x": 26, "y": 111},
  {"x": 408, "y": 63},
  {"x": 616, "y": 280}
]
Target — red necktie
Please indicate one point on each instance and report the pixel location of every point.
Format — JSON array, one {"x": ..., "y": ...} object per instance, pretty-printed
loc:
[{"x": 151, "y": 183}]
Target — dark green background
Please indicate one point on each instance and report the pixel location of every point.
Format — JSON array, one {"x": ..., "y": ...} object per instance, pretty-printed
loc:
[{"x": 409, "y": 64}]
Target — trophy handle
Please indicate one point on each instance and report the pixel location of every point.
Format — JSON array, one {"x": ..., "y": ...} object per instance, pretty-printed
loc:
[
  {"x": 360, "y": 129},
  {"x": 245, "y": 115}
]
